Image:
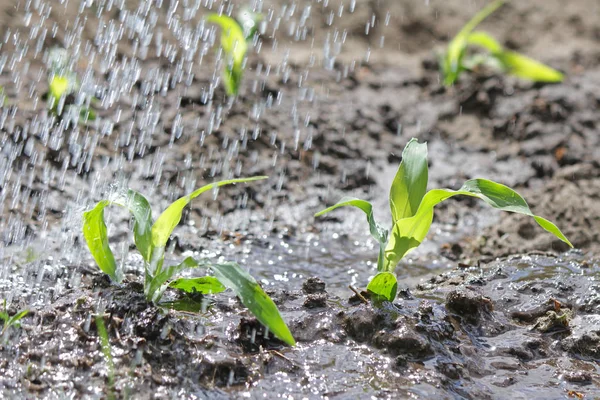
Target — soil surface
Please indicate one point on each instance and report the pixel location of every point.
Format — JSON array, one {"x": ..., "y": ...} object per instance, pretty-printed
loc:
[{"x": 330, "y": 96}]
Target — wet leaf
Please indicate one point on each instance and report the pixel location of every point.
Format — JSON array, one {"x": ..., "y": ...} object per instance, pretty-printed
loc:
[
  {"x": 169, "y": 219},
  {"x": 252, "y": 296},
  {"x": 154, "y": 287},
  {"x": 203, "y": 285},
  {"x": 408, "y": 233},
  {"x": 235, "y": 47},
  {"x": 410, "y": 183},
  {"x": 96, "y": 235},
  {"x": 59, "y": 86},
  {"x": 486, "y": 41},
  {"x": 528, "y": 68},
  {"x": 378, "y": 233},
  {"x": 383, "y": 286},
  {"x": 452, "y": 61}
]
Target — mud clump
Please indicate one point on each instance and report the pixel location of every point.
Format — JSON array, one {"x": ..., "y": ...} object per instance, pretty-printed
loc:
[
  {"x": 313, "y": 285},
  {"x": 468, "y": 304}
]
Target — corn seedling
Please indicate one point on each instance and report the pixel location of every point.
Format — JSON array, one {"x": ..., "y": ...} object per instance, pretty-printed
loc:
[
  {"x": 454, "y": 60},
  {"x": 63, "y": 82},
  {"x": 151, "y": 239},
  {"x": 11, "y": 321},
  {"x": 412, "y": 213},
  {"x": 235, "y": 47},
  {"x": 107, "y": 352}
]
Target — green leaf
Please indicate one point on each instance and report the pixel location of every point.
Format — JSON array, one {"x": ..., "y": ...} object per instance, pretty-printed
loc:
[
  {"x": 155, "y": 285},
  {"x": 17, "y": 317},
  {"x": 383, "y": 286},
  {"x": 87, "y": 114},
  {"x": 410, "y": 183},
  {"x": 204, "y": 285},
  {"x": 235, "y": 47},
  {"x": 408, "y": 233},
  {"x": 528, "y": 68},
  {"x": 96, "y": 236},
  {"x": 60, "y": 86},
  {"x": 452, "y": 61},
  {"x": 169, "y": 219},
  {"x": 252, "y": 296},
  {"x": 486, "y": 41},
  {"x": 377, "y": 232}
]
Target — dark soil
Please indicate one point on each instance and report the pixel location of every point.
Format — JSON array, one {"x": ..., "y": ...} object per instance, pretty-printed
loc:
[{"x": 322, "y": 123}]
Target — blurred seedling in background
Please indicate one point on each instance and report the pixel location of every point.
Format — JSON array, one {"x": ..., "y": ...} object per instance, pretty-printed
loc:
[
  {"x": 11, "y": 321},
  {"x": 412, "y": 214},
  {"x": 455, "y": 60},
  {"x": 151, "y": 239},
  {"x": 235, "y": 37},
  {"x": 62, "y": 83}
]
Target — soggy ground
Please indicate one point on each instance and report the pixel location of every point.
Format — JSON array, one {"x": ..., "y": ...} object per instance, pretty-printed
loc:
[{"x": 323, "y": 117}]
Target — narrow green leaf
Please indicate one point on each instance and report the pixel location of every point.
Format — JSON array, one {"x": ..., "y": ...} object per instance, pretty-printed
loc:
[
  {"x": 233, "y": 42},
  {"x": 139, "y": 207},
  {"x": 203, "y": 285},
  {"x": 155, "y": 285},
  {"x": 17, "y": 317},
  {"x": 452, "y": 61},
  {"x": 528, "y": 68},
  {"x": 410, "y": 183},
  {"x": 486, "y": 41},
  {"x": 408, "y": 233},
  {"x": 383, "y": 286},
  {"x": 252, "y": 296},
  {"x": 377, "y": 232},
  {"x": 169, "y": 219},
  {"x": 96, "y": 236}
]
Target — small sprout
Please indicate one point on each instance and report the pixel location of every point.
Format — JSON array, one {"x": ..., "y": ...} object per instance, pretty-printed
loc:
[
  {"x": 11, "y": 321},
  {"x": 454, "y": 60},
  {"x": 412, "y": 213},
  {"x": 107, "y": 352},
  {"x": 63, "y": 82},
  {"x": 151, "y": 239},
  {"x": 235, "y": 47}
]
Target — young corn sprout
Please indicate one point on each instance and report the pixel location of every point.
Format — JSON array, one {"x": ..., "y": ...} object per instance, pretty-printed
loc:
[
  {"x": 454, "y": 62},
  {"x": 151, "y": 239},
  {"x": 10, "y": 321},
  {"x": 62, "y": 82},
  {"x": 234, "y": 42},
  {"x": 412, "y": 214}
]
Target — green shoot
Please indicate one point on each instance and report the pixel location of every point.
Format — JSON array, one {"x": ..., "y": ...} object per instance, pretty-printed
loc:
[
  {"x": 412, "y": 213},
  {"x": 106, "y": 351},
  {"x": 233, "y": 42},
  {"x": 454, "y": 62},
  {"x": 63, "y": 82},
  {"x": 11, "y": 321},
  {"x": 151, "y": 239}
]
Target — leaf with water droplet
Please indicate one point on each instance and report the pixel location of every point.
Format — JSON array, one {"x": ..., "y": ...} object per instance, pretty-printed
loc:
[{"x": 252, "y": 296}]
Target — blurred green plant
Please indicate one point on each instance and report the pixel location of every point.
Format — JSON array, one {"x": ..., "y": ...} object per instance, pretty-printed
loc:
[
  {"x": 62, "y": 82},
  {"x": 455, "y": 60},
  {"x": 412, "y": 213},
  {"x": 107, "y": 352},
  {"x": 11, "y": 321},
  {"x": 235, "y": 35},
  {"x": 151, "y": 239}
]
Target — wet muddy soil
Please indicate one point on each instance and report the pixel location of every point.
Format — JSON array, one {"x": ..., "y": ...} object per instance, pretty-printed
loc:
[{"x": 323, "y": 119}]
